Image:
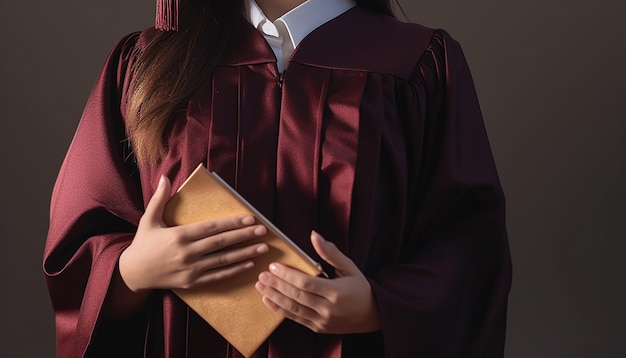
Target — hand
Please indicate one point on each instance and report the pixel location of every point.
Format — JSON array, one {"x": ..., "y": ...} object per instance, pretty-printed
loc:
[
  {"x": 342, "y": 305},
  {"x": 186, "y": 256}
]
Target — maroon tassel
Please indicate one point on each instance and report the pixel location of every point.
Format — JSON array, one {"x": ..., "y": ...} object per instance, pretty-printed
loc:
[{"x": 166, "y": 15}]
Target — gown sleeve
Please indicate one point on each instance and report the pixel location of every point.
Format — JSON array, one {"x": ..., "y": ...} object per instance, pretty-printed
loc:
[
  {"x": 95, "y": 207},
  {"x": 447, "y": 295}
]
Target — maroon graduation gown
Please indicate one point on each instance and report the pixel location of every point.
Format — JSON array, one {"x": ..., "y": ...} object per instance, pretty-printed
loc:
[{"x": 375, "y": 139}]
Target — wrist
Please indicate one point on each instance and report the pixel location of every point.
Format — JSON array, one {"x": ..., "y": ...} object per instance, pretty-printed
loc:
[
  {"x": 372, "y": 319},
  {"x": 128, "y": 273}
]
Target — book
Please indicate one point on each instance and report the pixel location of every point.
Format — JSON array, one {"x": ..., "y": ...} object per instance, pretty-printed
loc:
[{"x": 233, "y": 307}]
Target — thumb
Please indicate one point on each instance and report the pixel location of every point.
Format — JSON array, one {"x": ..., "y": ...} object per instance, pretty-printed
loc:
[
  {"x": 331, "y": 254},
  {"x": 156, "y": 205}
]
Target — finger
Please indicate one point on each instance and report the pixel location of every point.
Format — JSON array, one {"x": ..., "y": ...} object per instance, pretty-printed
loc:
[
  {"x": 156, "y": 205},
  {"x": 331, "y": 254},
  {"x": 212, "y": 227},
  {"x": 279, "y": 290},
  {"x": 205, "y": 245},
  {"x": 222, "y": 273},
  {"x": 230, "y": 257},
  {"x": 303, "y": 321},
  {"x": 285, "y": 305},
  {"x": 314, "y": 285}
]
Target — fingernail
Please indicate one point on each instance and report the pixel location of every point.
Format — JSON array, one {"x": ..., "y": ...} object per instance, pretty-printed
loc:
[
  {"x": 262, "y": 249},
  {"x": 260, "y": 231},
  {"x": 248, "y": 220},
  {"x": 274, "y": 267}
]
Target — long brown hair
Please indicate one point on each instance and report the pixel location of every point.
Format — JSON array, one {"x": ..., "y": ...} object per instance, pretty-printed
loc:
[{"x": 173, "y": 64}]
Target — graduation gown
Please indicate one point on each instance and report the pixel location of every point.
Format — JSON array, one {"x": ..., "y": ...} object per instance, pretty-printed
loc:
[{"x": 374, "y": 138}]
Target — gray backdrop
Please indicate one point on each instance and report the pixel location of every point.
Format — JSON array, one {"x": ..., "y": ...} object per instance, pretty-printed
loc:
[{"x": 550, "y": 76}]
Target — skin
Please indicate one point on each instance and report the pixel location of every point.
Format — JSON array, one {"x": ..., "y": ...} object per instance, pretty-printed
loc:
[
  {"x": 342, "y": 305},
  {"x": 187, "y": 256},
  {"x": 339, "y": 306}
]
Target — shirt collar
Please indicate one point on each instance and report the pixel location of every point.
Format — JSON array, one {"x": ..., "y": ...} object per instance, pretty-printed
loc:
[{"x": 301, "y": 20}]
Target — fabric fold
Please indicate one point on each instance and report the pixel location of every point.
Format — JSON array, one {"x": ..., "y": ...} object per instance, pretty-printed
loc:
[{"x": 385, "y": 155}]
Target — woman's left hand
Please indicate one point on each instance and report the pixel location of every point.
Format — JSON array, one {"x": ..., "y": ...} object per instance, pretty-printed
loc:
[{"x": 342, "y": 305}]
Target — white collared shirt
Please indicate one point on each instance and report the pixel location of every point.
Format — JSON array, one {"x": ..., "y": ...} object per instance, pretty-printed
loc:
[{"x": 285, "y": 34}]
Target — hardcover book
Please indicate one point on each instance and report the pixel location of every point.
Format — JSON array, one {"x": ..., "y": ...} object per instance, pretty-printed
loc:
[{"x": 233, "y": 307}]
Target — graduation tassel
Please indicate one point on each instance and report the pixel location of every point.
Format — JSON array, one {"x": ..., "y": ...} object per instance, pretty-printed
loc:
[{"x": 167, "y": 15}]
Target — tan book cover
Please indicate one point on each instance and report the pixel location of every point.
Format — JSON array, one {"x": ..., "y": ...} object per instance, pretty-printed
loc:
[{"x": 233, "y": 307}]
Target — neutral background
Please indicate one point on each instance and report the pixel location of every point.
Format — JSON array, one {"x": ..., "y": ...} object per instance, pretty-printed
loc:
[{"x": 550, "y": 76}]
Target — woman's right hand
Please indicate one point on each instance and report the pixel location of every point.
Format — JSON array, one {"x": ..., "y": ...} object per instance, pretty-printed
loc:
[{"x": 187, "y": 256}]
